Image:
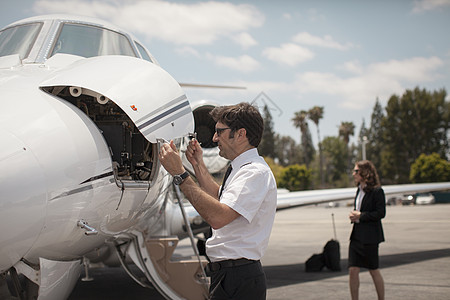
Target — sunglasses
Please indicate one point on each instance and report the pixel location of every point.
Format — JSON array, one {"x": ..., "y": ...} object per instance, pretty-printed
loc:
[{"x": 220, "y": 130}]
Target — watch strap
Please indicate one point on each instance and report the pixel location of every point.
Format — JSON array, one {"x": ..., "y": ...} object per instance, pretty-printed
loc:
[{"x": 184, "y": 175}]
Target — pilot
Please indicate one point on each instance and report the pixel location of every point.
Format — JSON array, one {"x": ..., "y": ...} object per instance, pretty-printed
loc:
[
  {"x": 367, "y": 233},
  {"x": 241, "y": 211}
]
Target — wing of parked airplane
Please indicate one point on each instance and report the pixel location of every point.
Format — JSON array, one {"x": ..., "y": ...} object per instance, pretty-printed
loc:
[{"x": 301, "y": 198}]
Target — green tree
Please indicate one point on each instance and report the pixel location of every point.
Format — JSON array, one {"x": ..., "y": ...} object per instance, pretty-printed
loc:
[
  {"x": 308, "y": 147},
  {"x": 315, "y": 114},
  {"x": 300, "y": 121},
  {"x": 267, "y": 146},
  {"x": 335, "y": 153},
  {"x": 374, "y": 135},
  {"x": 414, "y": 124},
  {"x": 347, "y": 129},
  {"x": 287, "y": 151},
  {"x": 430, "y": 168},
  {"x": 276, "y": 168},
  {"x": 295, "y": 178}
]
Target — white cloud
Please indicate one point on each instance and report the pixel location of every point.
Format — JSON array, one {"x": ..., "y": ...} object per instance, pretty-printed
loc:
[
  {"x": 243, "y": 63},
  {"x": 414, "y": 69},
  {"x": 288, "y": 54},
  {"x": 426, "y": 5},
  {"x": 352, "y": 93},
  {"x": 315, "y": 16},
  {"x": 187, "y": 51},
  {"x": 199, "y": 23},
  {"x": 252, "y": 90},
  {"x": 287, "y": 16},
  {"x": 326, "y": 41},
  {"x": 83, "y": 7},
  {"x": 244, "y": 39},
  {"x": 377, "y": 80},
  {"x": 352, "y": 67}
]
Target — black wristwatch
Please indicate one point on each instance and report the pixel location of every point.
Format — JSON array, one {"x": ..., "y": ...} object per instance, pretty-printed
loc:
[{"x": 179, "y": 179}]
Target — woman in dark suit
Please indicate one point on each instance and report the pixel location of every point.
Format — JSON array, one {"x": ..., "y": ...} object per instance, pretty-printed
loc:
[{"x": 367, "y": 233}]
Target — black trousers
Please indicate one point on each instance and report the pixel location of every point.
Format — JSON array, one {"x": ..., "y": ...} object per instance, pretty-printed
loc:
[{"x": 246, "y": 282}]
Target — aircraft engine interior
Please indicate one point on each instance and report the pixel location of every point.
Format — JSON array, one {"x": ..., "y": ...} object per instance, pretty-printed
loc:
[{"x": 132, "y": 154}]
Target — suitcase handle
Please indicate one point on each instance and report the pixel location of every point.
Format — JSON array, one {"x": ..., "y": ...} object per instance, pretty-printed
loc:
[{"x": 334, "y": 226}]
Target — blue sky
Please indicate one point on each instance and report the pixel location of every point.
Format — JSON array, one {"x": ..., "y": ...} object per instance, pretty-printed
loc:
[{"x": 341, "y": 55}]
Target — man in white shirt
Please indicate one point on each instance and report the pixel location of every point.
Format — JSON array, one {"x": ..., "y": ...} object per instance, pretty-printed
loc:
[{"x": 241, "y": 211}]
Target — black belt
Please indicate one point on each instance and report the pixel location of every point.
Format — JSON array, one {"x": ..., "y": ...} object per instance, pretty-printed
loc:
[{"x": 216, "y": 266}]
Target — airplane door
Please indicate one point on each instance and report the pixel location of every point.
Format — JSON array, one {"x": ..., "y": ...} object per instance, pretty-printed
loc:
[{"x": 151, "y": 98}]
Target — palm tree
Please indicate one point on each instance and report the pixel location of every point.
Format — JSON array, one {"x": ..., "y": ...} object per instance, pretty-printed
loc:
[
  {"x": 300, "y": 121},
  {"x": 315, "y": 114},
  {"x": 346, "y": 129}
]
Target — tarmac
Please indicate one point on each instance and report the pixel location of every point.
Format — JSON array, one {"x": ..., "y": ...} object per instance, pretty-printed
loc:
[{"x": 414, "y": 260}]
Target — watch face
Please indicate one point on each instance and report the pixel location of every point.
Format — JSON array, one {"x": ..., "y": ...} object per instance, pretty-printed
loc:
[{"x": 177, "y": 179}]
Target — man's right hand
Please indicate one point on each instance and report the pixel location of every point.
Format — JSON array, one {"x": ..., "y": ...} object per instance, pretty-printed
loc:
[{"x": 194, "y": 153}]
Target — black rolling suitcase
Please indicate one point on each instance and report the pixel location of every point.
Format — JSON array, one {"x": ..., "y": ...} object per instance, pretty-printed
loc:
[
  {"x": 315, "y": 263},
  {"x": 332, "y": 253}
]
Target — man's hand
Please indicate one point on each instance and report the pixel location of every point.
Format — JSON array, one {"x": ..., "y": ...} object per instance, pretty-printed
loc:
[
  {"x": 170, "y": 159},
  {"x": 194, "y": 153}
]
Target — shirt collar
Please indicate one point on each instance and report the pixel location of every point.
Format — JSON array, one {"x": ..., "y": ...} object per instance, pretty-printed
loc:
[{"x": 244, "y": 158}]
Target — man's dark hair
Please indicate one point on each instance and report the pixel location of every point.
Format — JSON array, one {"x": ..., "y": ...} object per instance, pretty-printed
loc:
[
  {"x": 242, "y": 115},
  {"x": 369, "y": 174}
]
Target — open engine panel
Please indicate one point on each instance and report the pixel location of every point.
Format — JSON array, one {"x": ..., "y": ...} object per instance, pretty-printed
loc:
[{"x": 132, "y": 154}]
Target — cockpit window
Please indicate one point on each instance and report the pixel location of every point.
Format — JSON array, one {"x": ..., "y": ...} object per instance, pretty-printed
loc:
[
  {"x": 19, "y": 39},
  {"x": 142, "y": 51},
  {"x": 89, "y": 41}
]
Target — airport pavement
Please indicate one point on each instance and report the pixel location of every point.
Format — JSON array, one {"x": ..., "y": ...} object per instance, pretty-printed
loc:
[{"x": 414, "y": 260}]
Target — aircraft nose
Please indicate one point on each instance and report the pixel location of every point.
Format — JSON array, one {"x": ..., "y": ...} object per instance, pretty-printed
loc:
[
  {"x": 22, "y": 199},
  {"x": 22, "y": 179}
]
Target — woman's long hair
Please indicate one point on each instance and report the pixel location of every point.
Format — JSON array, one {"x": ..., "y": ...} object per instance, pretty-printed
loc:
[{"x": 369, "y": 174}]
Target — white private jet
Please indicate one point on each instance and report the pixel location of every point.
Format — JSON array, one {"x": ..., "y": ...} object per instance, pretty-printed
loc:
[{"x": 85, "y": 108}]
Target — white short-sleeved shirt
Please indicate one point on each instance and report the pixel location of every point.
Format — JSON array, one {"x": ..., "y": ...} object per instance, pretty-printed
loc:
[{"x": 251, "y": 191}]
